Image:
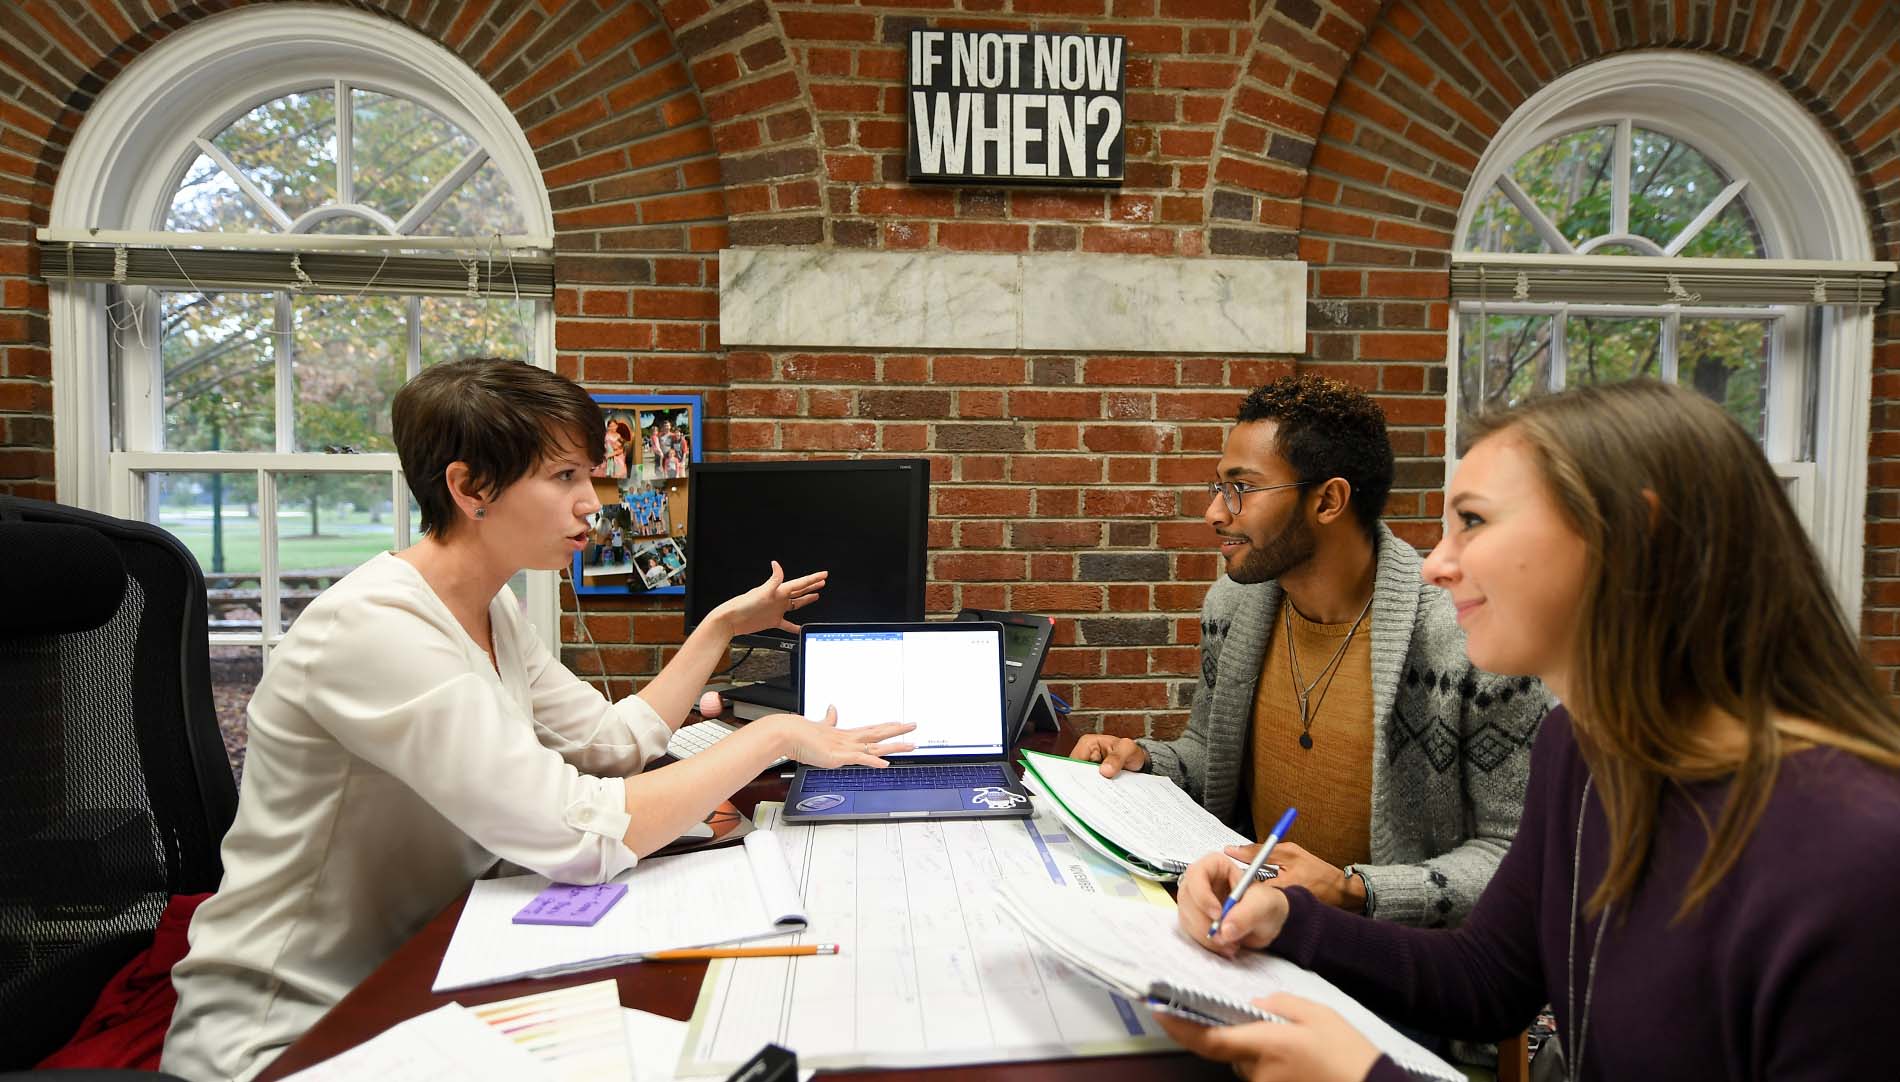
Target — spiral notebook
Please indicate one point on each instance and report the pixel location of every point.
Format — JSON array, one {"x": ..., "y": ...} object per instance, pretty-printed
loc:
[{"x": 1093, "y": 934}]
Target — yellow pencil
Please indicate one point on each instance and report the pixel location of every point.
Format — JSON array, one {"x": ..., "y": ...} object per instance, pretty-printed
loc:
[{"x": 741, "y": 952}]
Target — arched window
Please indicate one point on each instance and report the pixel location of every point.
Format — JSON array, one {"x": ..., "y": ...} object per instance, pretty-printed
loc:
[
  {"x": 251, "y": 417},
  {"x": 1616, "y": 186},
  {"x": 1677, "y": 216}
]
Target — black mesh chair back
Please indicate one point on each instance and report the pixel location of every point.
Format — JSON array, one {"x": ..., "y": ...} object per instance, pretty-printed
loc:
[{"x": 114, "y": 787}]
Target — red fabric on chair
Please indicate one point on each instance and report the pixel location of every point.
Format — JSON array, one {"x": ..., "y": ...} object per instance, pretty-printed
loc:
[{"x": 126, "y": 1026}]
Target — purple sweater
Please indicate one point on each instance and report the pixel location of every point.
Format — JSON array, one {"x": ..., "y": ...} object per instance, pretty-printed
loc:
[{"x": 1789, "y": 970}]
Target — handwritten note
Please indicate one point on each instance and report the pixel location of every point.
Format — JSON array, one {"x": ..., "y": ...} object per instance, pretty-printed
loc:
[{"x": 575, "y": 906}]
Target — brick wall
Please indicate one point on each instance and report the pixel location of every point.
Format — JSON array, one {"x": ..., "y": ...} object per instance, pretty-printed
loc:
[{"x": 1342, "y": 132}]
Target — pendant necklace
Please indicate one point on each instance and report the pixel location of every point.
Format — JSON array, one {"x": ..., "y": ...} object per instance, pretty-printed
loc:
[{"x": 1303, "y": 694}]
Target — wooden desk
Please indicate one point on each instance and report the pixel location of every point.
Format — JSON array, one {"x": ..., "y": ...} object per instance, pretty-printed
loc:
[{"x": 399, "y": 989}]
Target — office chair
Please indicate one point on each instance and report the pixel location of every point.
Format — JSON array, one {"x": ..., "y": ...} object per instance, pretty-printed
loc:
[{"x": 114, "y": 788}]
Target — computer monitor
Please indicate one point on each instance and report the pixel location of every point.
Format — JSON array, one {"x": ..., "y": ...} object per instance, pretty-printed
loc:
[{"x": 865, "y": 521}]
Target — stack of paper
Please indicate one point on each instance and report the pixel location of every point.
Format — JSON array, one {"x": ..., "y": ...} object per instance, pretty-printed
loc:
[
  {"x": 1140, "y": 951},
  {"x": 666, "y": 907},
  {"x": 1143, "y": 822},
  {"x": 577, "y": 1032},
  {"x": 449, "y": 1044}
]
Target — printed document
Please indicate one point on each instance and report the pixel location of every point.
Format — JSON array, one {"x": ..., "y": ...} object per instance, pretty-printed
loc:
[
  {"x": 448, "y": 1044},
  {"x": 931, "y": 972},
  {"x": 1147, "y": 816}
]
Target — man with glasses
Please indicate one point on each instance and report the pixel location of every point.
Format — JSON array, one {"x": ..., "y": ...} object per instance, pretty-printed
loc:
[{"x": 1353, "y": 700}]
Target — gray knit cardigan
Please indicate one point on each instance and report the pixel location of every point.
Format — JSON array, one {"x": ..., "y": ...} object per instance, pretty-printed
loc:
[{"x": 1450, "y": 749}]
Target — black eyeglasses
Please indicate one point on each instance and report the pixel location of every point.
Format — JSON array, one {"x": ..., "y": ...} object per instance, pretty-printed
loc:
[{"x": 1230, "y": 492}]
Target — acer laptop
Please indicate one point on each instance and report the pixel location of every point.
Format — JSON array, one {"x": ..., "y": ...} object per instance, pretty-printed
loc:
[{"x": 948, "y": 679}]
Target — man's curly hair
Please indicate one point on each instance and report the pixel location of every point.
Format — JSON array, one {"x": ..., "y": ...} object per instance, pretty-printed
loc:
[{"x": 1329, "y": 429}]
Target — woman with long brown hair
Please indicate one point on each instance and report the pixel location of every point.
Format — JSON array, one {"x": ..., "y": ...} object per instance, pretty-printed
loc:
[{"x": 1707, "y": 875}]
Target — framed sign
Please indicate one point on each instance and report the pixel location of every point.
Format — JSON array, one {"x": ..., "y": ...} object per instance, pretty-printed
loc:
[
  {"x": 1012, "y": 106},
  {"x": 637, "y": 544}
]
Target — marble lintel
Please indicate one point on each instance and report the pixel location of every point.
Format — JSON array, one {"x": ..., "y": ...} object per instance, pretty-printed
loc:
[{"x": 831, "y": 298}]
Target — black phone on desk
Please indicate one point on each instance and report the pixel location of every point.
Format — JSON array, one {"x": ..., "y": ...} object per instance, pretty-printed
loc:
[{"x": 1025, "y": 645}]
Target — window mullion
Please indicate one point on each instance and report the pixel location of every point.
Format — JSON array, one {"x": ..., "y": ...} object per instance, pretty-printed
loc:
[
  {"x": 1620, "y": 180},
  {"x": 345, "y": 169},
  {"x": 1534, "y": 214},
  {"x": 141, "y": 355},
  {"x": 1704, "y": 217},
  {"x": 251, "y": 191},
  {"x": 414, "y": 362},
  {"x": 284, "y": 354},
  {"x": 269, "y": 609},
  {"x": 1671, "y": 344},
  {"x": 399, "y": 506},
  {"x": 439, "y": 194},
  {"x": 1559, "y": 349}
]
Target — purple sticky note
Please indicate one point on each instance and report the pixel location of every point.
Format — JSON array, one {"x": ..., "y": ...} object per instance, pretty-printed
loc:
[{"x": 564, "y": 903}]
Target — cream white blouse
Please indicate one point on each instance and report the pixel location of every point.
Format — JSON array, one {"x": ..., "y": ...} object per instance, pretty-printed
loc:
[{"x": 389, "y": 765}]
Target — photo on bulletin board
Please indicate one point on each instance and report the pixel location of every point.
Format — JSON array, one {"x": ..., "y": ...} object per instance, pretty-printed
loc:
[{"x": 638, "y": 541}]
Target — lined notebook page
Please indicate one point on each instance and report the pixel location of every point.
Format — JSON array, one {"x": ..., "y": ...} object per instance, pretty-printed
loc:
[
  {"x": 665, "y": 908},
  {"x": 1140, "y": 950}
]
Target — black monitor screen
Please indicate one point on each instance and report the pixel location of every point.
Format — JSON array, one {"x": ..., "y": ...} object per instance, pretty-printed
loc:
[{"x": 864, "y": 521}]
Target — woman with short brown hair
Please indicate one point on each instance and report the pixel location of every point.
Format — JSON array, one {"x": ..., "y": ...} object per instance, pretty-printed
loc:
[{"x": 412, "y": 728}]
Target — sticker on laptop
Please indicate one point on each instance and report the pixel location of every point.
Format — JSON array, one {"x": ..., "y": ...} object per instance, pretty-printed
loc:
[
  {"x": 996, "y": 798},
  {"x": 820, "y": 802}
]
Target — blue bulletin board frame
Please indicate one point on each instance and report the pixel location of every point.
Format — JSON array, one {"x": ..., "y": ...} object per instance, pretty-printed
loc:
[{"x": 649, "y": 473}]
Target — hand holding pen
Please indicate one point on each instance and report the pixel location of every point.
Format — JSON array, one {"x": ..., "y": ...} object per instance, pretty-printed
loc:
[{"x": 1239, "y": 889}]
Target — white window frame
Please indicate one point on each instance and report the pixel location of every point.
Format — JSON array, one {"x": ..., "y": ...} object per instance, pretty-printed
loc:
[
  {"x": 1787, "y": 383},
  {"x": 1807, "y": 206},
  {"x": 197, "y": 81}
]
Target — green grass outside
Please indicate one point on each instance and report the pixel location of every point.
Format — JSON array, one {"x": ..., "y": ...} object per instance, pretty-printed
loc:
[{"x": 345, "y": 541}]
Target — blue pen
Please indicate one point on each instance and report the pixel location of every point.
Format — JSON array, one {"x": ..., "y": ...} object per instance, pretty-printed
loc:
[{"x": 1266, "y": 846}]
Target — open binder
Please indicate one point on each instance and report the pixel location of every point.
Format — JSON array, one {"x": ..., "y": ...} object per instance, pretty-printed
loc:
[
  {"x": 1142, "y": 822},
  {"x": 1138, "y": 950}
]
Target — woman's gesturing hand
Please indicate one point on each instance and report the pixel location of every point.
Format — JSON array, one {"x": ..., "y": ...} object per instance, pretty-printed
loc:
[
  {"x": 765, "y": 605},
  {"x": 823, "y": 744}
]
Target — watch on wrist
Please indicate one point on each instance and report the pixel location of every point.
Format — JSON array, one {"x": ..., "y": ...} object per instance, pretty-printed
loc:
[{"x": 1364, "y": 885}]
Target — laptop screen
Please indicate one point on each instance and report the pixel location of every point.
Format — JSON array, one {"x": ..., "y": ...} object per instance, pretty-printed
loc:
[{"x": 947, "y": 680}]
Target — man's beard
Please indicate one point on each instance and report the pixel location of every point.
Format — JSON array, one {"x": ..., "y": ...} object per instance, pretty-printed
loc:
[{"x": 1291, "y": 547}]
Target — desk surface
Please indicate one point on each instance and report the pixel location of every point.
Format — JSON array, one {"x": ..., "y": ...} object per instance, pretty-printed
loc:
[{"x": 399, "y": 989}]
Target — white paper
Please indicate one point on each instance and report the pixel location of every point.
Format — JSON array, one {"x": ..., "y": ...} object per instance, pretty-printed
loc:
[
  {"x": 1145, "y": 814},
  {"x": 657, "y": 1041},
  {"x": 931, "y": 973},
  {"x": 692, "y": 900},
  {"x": 1133, "y": 948},
  {"x": 576, "y": 1031},
  {"x": 446, "y": 1045}
]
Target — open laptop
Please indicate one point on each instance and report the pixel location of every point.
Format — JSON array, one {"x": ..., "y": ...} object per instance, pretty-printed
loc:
[{"x": 947, "y": 678}]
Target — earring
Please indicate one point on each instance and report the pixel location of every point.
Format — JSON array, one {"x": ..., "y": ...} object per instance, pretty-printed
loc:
[{"x": 481, "y": 512}]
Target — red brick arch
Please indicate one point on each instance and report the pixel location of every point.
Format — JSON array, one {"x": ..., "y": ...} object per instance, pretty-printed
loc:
[{"x": 1272, "y": 120}]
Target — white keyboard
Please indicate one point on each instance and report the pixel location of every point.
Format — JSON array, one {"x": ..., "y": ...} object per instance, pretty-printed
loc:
[{"x": 692, "y": 739}]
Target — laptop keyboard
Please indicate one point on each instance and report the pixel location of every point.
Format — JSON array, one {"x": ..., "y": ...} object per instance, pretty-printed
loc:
[{"x": 854, "y": 778}]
